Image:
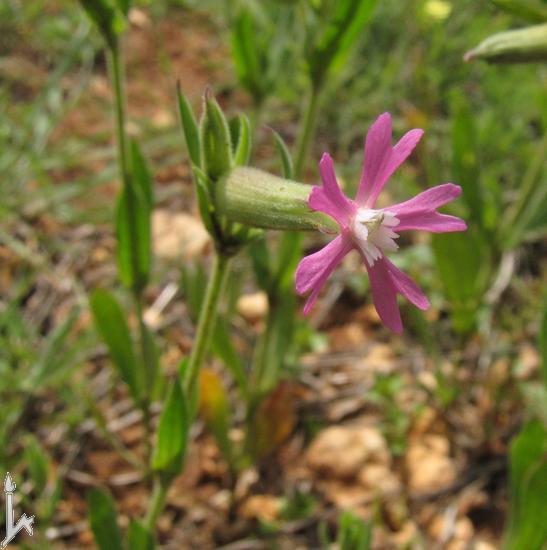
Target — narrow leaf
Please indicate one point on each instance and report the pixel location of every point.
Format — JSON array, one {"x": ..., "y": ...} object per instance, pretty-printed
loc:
[
  {"x": 464, "y": 157},
  {"x": 133, "y": 232},
  {"x": 173, "y": 431},
  {"x": 112, "y": 326},
  {"x": 189, "y": 128},
  {"x": 528, "y": 473},
  {"x": 138, "y": 537},
  {"x": 245, "y": 54},
  {"x": 244, "y": 144},
  {"x": 334, "y": 44},
  {"x": 102, "y": 518},
  {"x": 286, "y": 160},
  {"x": 533, "y": 11}
]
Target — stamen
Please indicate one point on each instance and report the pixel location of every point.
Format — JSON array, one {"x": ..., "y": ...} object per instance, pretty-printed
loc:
[{"x": 372, "y": 232}]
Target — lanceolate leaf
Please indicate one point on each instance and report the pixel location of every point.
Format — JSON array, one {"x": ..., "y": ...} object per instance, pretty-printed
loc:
[
  {"x": 286, "y": 160},
  {"x": 172, "y": 433},
  {"x": 242, "y": 152},
  {"x": 333, "y": 46},
  {"x": 528, "y": 469},
  {"x": 465, "y": 165},
  {"x": 102, "y": 517},
  {"x": 133, "y": 232},
  {"x": 246, "y": 56},
  {"x": 138, "y": 537},
  {"x": 534, "y": 11},
  {"x": 543, "y": 342},
  {"x": 112, "y": 326},
  {"x": 124, "y": 6},
  {"x": 189, "y": 128},
  {"x": 140, "y": 175}
]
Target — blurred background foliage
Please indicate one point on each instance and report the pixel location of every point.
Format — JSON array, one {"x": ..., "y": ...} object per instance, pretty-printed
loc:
[{"x": 485, "y": 130}]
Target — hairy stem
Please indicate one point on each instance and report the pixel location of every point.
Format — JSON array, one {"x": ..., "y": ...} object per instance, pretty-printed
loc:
[
  {"x": 207, "y": 317},
  {"x": 157, "y": 503}
]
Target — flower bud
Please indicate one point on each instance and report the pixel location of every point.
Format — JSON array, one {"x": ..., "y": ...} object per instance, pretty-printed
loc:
[
  {"x": 215, "y": 139},
  {"x": 517, "y": 46},
  {"x": 258, "y": 199},
  {"x": 106, "y": 17}
]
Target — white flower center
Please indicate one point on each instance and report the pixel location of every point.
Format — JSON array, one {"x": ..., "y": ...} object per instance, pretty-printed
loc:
[{"x": 372, "y": 232}]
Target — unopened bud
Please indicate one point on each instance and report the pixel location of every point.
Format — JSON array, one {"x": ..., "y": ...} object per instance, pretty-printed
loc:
[
  {"x": 518, "y": 46},
  {"x": 215, "y": 139}
]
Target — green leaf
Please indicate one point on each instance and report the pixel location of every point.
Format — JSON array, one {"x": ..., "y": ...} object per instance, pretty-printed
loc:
[
  {"x": 215, "y": 139},
  {"x": 205, "y": 204},
  {"x": 528, "y": 474},
  {"x": 189, "y": 128},
  {"x": 140, "y": 174},
  {"x": 38, "y": 463},
  {"x": 124, "y": 6},
  {"x": 286, "y": 160},
  {"x": 112, "y": 326},
  {"x": 529, "y": 10},
  {"x": 133, "y": 232},
  {"x": 224, "y": 348},
  {"x": 102, "y": 518},
  {"x": 464, "y": 160},
  {"x": 106, "y": 17},
  {"x": 249, "y": 68},
  {"x": 244, "y": 144},
  {"x": 48, "y": 366},
  {"x": 528, "y": 215},
  {"x": 138, "y": 537},
  {"x": 260, "y": 260},
  {"x": 151, "y": 360},
  {"x": 353, "y": 532},
  {"x": 464, "y": 264},
  {"x": 343, "y": 28},
  {"x": 288, "y": 256},
  {"x": 173, "y": 431},
  {"x": 543, "y": 342}
]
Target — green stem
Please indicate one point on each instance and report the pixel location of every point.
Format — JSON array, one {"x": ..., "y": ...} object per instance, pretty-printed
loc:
[
  {"x": 207, "y": 319},
  {"x": 306, "y": 132},
  {"x": 116, "y": 70},
  {"x": 157, "y": 503},
  {"x": 119, "y": 106}
]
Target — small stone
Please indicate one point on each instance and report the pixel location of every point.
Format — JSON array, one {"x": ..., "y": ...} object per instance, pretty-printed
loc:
[
  {"x": 379, "y": 478},
  {"x": 261, "y": 507},
  {"x": 253, "y": 307},
  {"x": 342, "y": 451},
  {"x": 428, "y": 465},
  {"x": 177, "y": 235}
]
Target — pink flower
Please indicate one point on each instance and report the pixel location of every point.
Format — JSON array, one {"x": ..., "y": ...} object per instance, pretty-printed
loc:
[{"x": 372, "y": 231}]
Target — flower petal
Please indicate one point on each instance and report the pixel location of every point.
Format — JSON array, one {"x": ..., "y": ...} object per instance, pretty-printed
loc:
[
  {"x": 407, "y": 287},
  {"x": 381, "y": 159},
  {"x": 314, "y": 270},
  {"x": 419, "y": 212},
  {"x": 329, "y": 197},
  {"x": 434, "y": 222},
  {"x": 428, "y": 200},
  {"x": 384, "y": 294}
]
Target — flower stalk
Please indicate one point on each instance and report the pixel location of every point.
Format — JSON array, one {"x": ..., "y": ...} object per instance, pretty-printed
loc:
[{"x": 207, "y": 317}]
